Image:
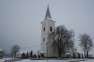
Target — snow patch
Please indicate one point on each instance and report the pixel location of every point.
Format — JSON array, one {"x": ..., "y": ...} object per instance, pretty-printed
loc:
[
  {"x": 1, "y": 50},
  {"x": 4, "y": 59}
]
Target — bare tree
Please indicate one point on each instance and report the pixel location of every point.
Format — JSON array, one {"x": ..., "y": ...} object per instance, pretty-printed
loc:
[
  {"x": 14, "y": 50},
  {"x": 86, "y": 43},
  {"x": 62, "y": 39}
]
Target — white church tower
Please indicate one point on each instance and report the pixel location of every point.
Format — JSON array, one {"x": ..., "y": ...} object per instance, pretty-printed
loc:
[{"x": 48, "y": 26}]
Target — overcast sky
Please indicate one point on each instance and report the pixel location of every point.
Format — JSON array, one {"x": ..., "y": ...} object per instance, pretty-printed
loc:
[{"x": 20, "y": 20}]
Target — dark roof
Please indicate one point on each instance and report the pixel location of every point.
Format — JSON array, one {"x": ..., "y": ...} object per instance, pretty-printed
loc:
[{"x": 48, "y": 15}]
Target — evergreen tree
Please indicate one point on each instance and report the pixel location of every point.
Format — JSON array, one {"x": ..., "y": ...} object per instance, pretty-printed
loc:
[
  {"x": 23, "y": 55},
  {"x": 27, "y": 55},
  {"x": 31, "y": 54}
]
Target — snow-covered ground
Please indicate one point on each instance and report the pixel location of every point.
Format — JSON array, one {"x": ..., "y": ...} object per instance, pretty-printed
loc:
[
  {"x": 1, "y": 60},
  {"x": 4, "y": 59},
  {"x": 89, "y": 60},
  {"x": 27, "y": 60},
  {"x": 70, "y": 60}
]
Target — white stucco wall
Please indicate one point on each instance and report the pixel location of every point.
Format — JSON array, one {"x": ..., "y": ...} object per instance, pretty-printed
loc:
[{"x": 47, "y": 23}]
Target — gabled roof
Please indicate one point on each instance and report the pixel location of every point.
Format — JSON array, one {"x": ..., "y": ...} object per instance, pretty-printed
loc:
[{"x": 21, "y": 51}]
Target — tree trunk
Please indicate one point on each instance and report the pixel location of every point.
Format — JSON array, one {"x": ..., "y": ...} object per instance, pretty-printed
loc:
[
  {"x": 15, "y": 55},
  {"x": 87, "y": 54},
  {"x": 12, "y": 55},
  {"x": 84, "y": 53},
  {"x": 59, "y": 54}
]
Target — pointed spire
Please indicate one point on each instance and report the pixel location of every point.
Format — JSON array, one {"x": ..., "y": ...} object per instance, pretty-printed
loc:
[{"x": 48, "y": 15}]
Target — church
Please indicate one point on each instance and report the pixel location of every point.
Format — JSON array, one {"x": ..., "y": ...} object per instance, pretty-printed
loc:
[{"x": 48, "y": 26}]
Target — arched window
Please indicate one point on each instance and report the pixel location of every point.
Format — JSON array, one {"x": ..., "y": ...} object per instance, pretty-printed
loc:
[
  {"x": 44, "y": 29},
  {"x": 50, "y": 28},
  {"x": 43, "y": 38}
]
